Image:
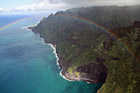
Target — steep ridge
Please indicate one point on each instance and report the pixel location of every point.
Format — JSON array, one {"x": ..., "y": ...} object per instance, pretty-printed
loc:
[
  {"x": 87, "y": 53},
  {"x": 123, "y": 61}
]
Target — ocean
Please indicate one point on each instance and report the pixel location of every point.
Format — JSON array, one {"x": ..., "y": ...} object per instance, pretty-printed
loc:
[{"x": 27, "y": 65}]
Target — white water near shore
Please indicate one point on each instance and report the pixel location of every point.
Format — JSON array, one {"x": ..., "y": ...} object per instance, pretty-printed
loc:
[
  {"x": 54, "y": 51},
  {"x": 26, "y": 28},
  {"x": 64, "y": 76},
  {"x": 56, "y": 55},
  {"x": 33, "y": 60},
  {"x": 57, "y": 58}
]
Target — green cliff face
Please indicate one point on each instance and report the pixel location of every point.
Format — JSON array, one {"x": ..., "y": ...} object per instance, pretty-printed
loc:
[
  {"x": 123, "y": 62},
  {"x": 87, "y": 53}
]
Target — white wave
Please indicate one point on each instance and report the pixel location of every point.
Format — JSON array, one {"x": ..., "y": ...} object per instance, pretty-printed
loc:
[
  {"x": 26, "y": 28},
  {"x": 57, "y": 58},
  {"x": 64, "y": 76},
  {"x": 38, "y": 22},
  {"x": 54, "y": 51}
]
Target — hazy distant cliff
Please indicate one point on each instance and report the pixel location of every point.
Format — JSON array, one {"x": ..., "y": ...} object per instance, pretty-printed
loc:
[{"x": 88, "y": 53}]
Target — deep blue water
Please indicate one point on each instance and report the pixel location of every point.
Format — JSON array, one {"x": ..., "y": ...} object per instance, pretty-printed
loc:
[{"x": 27, "y": 65}]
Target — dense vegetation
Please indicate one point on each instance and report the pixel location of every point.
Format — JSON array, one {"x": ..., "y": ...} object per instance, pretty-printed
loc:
[
  {"x": 79, "y": 43},
  {"x": 123, "y": 62}
]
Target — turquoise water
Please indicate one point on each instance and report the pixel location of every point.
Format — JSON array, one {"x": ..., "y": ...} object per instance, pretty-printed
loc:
[{"x": 27, "y": 65}]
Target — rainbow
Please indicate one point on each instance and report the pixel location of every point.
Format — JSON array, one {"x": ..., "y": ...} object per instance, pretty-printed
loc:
[
  {"x": 16, "y": 22},
  {"x": 83, "y": 20},
  {"x": 123, "y": 44}
]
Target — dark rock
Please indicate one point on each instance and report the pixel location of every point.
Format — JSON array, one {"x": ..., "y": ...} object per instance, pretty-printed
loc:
[
  {"x": 30, "y": 28},
  {"x": 108, "y": 42},
  {"x": 100, "y": 60},
  {"x": 115, "y": 58},
  {"x": 137, "y": 24},
  {"x": 95, "y": 72},
  {"x": 85, "y": 46}
]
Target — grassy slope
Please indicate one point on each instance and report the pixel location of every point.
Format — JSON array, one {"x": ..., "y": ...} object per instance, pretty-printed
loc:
[
  {"x": 124, "y": 74},
  {"x": 80, "y": 43}
]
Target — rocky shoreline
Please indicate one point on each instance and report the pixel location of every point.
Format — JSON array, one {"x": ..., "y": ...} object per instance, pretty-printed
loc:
[
  {"x": 60, "y": 61},
  {"x": 63, "y": 72},
  {"x": 53, "y": 46},
  {"x": 90, "y": 55},
  {"x": 100, "y": 71}
]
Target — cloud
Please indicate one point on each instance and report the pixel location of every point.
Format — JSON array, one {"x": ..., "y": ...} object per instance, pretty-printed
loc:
[
  {"x": 42, "y": 5},
  {"x": 82, "y": 3},
  {"x": 1, "y": 9},
  {"x": 55, "y": 5}
]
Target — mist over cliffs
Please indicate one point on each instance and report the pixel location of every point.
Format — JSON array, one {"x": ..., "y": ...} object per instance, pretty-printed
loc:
[{"x": 88, "y": 53}]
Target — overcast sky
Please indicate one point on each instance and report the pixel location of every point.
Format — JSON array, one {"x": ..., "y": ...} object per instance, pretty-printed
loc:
[{"x": 55, "y": 5}]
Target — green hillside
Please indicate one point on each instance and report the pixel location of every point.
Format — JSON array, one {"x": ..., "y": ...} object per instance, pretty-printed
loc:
[{"x": 88, "y": 53}]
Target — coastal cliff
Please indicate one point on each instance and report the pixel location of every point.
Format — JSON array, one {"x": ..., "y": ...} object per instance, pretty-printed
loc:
[{"x": 88, "y": 52}]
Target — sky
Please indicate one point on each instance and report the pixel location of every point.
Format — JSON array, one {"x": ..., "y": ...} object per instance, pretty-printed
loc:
[{"x": 20, "y": 6}]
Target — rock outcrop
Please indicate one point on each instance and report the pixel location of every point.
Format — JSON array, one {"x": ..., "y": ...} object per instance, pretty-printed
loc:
[
  {"x": 87, "y": 53},
  {"x": 137, "y": 24}
]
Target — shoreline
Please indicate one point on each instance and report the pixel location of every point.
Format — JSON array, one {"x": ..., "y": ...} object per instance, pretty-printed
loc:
[
  {"x": 49, "y": 44},
  {"x": 54, "y": 52},
  {"x": 26, "y": 28},
  {"x": 57, "y": 59},
  {"x": 53, "y": 46},
  {"x": 64, "y": 76}
]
